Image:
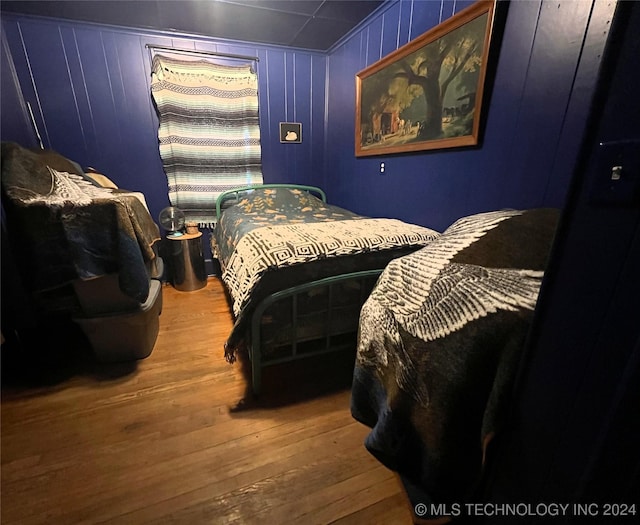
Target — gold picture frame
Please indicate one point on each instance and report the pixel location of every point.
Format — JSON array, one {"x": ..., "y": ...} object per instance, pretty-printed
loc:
[{"x": 428, "y": 94}]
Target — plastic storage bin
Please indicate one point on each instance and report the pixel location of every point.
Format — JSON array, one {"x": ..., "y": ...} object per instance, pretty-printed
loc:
[
  {"x": 102, "y": 295},
  {"x": 125, "y": 336}
]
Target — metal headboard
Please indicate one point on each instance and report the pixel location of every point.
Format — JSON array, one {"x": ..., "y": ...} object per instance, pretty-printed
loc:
[{"x": 235, "y": 193}]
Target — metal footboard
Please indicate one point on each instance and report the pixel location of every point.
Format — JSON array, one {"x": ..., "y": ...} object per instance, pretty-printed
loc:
[{"x": 307, "y": 331}]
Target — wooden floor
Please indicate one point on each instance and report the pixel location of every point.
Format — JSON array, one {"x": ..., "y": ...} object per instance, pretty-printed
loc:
[{"x": 167, "y": 439}]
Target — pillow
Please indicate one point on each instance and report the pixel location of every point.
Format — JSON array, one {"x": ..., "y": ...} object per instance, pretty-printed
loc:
[
  {"x": 25, "y": 172},
  {"x": 279, "y": 199},
  {"x": 56, "y": 161},
  {"x": 100, "y": 179}
]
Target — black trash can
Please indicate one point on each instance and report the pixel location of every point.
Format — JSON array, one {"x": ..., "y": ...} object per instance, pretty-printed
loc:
[{"x": 186, "y": 262}]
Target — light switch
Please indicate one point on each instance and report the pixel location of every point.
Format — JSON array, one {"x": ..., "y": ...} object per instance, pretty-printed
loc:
[
  {"x": 618, "y": 180},
  {"x": 616, "y": 172}
]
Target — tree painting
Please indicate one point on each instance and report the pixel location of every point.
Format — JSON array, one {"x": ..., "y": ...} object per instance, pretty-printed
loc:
[{"x": 427, "y": 95}]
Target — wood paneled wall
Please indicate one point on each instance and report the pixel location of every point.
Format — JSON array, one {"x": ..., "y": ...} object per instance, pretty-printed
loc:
[
  {"x": 575, "y": 433},
  {"x": 543, "y": 86},
  {"x": 88, "y": 85}
]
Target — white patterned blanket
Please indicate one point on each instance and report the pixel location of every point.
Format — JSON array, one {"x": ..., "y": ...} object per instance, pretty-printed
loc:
[{"x": 279, "y": 246}]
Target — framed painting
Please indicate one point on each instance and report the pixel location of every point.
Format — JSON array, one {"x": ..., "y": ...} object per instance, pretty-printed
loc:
[{"x": 427, "y": 94}]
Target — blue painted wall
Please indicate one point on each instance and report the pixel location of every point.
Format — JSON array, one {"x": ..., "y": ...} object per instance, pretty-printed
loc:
[
  {"x": 543, "y": 86},
  {"x": 88, "y": 85},
  {"x": 15, "y": 121}
]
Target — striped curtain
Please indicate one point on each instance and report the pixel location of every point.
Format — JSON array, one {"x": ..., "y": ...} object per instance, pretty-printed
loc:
[{"x": 209, "y": 135}]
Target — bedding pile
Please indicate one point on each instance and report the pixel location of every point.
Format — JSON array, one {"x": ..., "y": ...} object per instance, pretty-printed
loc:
[
  {"x": 70, "y": 228},
  {"x": 439, "y": 344}
]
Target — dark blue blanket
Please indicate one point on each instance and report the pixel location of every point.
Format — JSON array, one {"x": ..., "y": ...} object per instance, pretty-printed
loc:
[{"x": 439, "y": 344}]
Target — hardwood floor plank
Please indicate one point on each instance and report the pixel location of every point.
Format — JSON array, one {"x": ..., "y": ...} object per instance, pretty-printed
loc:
[
  {"x": 324, "y": 503},
  {"x": 208, "y": 468},
  {"x": 256, "y": 496},
  {"x": 138, "y": 462},
  {"x": 163, "y": 440},
  {"x": 391, "y": 509}
]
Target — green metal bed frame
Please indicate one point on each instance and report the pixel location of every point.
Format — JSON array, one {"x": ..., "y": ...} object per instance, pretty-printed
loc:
[
  {"x": 336, "y": 336},
  {"x": 333, "y": 340}
]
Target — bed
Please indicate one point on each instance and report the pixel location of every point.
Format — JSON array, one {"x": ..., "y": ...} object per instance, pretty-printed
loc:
[
  {"x": 439, "y": 344},
  {"x": 297, "y": 270},
  {"x": 66, "y": 227}
]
